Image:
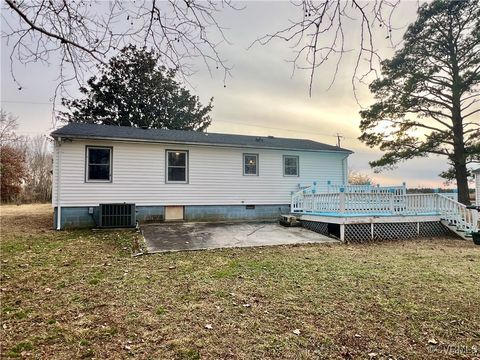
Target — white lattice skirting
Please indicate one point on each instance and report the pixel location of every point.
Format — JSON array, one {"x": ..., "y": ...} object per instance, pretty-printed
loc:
[{"x": 379, "y": 231}]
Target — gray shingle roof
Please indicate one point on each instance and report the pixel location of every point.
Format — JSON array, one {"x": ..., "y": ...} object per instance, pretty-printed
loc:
[{"x": 93, "y": 131}]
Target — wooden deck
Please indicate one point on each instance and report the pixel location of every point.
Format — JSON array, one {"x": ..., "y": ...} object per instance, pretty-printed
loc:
[
  {"x": 367, "y": 219},
  {"x": 381, "y": 212}
]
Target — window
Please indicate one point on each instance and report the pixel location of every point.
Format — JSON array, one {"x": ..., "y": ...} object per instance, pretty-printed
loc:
[
  {"x": 177, "y": 166},
  {"x": 250, "y": 164},
  {"x": 290, "y": 165},
  {"x": 99, "y": 164}
]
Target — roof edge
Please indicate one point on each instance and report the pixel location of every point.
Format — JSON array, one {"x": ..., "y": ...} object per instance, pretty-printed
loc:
[{"x": 54, "y": 135}]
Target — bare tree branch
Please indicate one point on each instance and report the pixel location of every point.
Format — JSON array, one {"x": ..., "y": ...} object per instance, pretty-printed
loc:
[
  {"x": 319, "y": 35},
  {"x": 83, "y": 34},
  {"x": 8, "y": 127}
]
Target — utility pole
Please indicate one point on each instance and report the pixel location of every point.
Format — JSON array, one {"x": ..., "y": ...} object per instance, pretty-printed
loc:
[{"x": 339, "y": 137}]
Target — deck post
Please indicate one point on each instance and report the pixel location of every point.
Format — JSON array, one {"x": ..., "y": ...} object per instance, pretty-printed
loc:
[
  {"x": 341, "y": 200},
  {"x": 475, "y": 219},
  {"x": 342, "y": 232},
  {"x": 292, "y": 204}
]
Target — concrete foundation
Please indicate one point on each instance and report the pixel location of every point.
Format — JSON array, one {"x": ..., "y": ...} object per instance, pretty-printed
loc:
[
  {"x": 84, "y": 217},
  {"x": 234, "y": 212}
]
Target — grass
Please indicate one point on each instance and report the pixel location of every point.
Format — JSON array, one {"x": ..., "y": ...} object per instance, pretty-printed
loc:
[{"x": 79, "y": 294}]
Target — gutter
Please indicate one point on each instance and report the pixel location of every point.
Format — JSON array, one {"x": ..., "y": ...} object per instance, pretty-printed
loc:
[
  {"x": 59, "y": 168},
  {"x": 196, "y": 143}
]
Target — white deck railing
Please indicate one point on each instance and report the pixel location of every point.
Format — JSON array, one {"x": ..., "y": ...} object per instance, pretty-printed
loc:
[
  {"x": 458, "y": 214},
  {"x": 375, "y": 203},
  {"x": 371, "y": 189}
]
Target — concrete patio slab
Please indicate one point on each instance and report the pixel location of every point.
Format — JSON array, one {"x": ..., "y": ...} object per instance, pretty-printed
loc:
[{"x": 198, "y": 236}]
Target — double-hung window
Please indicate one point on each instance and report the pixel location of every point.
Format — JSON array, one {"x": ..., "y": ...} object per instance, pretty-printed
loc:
[
  {"x": 290, "y": 165},
  {"x": 98, "y": 164},
  {"x": 250, "y": 164},
  {"x": 177, "y": 166}
]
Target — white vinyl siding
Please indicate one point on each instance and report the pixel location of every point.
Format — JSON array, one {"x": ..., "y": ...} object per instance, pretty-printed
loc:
[{"x": 215, "y": 175}]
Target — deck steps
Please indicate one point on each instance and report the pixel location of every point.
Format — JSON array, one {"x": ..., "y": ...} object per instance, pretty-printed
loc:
[
  {"x": 363, "y": 209},
  {"x": 289, "y": 221},
  {"x": 466, "y": 235}
]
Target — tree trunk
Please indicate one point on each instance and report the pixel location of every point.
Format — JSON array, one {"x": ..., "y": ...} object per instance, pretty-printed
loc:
[
  {"x": 462, "y": 183},
  {"x": 459, "y": 155}
]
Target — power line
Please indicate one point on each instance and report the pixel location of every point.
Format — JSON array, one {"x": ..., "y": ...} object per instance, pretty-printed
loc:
[
  {"x": 284, "y": 129},
  {"x": 338, "y": 136},
  {"x": 28, "y": 102}
]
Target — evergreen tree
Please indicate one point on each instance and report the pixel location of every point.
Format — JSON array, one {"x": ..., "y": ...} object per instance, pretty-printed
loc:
[
  {"x": 133, "y": 90},
  {"x": 427, "y": 99}
]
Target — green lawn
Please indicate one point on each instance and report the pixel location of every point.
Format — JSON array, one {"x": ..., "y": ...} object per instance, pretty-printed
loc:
[{"x": 79, "y": 294}]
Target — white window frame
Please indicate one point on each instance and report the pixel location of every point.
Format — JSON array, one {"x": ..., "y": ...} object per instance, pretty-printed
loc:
[
  {"x": 256, "y": 164},
  {"x": 87, "y": 163},
  {"x": 298, "y": 165},
  {"x": 167, "y": 167}
]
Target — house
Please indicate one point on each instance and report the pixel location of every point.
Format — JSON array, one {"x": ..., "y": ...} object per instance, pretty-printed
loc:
[
  {"x": 182, "y": 175},
  {"x": 476, "y": 173}
]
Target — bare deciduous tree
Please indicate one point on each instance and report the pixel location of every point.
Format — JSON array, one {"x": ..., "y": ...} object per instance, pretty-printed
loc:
[
  {"x": 318, "y": 34},
  {"x": 13, "y": 171},
  {"x": 358, "y": 178},
  {"x": 38, "y": 185},
  {"x": 25, "y": 164},
  {"x": 8, "y": 127},
  {"x": 82, "y": 34}
]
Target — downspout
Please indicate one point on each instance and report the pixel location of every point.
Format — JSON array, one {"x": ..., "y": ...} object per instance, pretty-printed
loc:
[{"x": 59, "y": 168}]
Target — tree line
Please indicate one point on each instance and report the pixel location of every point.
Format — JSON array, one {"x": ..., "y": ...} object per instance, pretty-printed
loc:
[{"x": 25, "y": 164}]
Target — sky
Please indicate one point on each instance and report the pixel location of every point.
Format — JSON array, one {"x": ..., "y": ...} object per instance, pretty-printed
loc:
[{"x": 261, "y": 97}]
